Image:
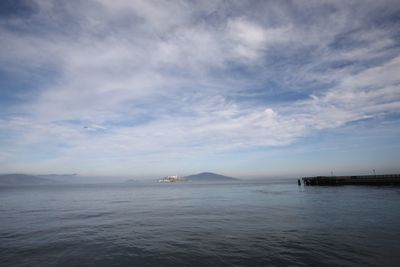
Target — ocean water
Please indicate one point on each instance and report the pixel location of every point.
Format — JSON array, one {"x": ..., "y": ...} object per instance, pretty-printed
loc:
[{"x": 227, "y": 224}]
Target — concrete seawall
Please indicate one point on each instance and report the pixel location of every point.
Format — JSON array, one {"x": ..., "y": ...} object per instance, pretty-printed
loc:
[{"x": 385, "y": 179}]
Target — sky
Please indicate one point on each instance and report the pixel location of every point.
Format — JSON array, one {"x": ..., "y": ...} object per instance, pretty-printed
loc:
[{"x": 242, "y": 88}]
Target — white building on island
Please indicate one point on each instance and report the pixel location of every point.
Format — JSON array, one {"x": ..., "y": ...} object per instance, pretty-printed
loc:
[{"x": 171, "y": 179}]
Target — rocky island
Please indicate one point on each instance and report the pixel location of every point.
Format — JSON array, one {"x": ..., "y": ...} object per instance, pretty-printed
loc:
[
  {"x": 172, "y": 179},
  {"x": 200, "y": 177}
]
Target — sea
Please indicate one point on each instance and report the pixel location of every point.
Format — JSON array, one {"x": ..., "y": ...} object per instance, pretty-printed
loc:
[{"x": 247, "y": 223}]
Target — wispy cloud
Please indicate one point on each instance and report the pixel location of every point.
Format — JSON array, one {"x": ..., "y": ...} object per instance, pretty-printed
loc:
[{"x": 153, "y": 80}]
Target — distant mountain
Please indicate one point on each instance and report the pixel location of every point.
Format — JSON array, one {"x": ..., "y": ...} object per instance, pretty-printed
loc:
[
  {"x": 209, "y": 177},
  {"x": 61, "y": 178},
  {"x": 23, "y": 179},
  {"x": 58, "y": 175},
  {"x": 130, "y": 181}
]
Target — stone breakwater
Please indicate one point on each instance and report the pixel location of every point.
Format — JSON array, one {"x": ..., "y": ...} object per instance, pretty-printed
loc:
[{"x": 383, "y": 179}]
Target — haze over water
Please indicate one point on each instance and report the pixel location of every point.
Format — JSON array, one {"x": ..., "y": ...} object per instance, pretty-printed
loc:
[{"x": 186, "y": 224}]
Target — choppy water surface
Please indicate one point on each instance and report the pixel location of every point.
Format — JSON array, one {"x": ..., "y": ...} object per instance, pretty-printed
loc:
[{"x": 237, "y": 224}]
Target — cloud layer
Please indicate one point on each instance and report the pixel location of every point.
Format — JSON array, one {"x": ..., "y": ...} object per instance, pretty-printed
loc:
[{"x": 117, "y": 85}]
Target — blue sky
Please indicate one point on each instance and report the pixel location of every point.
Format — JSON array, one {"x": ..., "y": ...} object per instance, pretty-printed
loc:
[{"x": 244, "y": 88}]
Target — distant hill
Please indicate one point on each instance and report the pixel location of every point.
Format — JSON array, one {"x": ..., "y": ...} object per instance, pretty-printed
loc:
[
  {"x": 23, "y": 179},
  {"x": 209, "y": 177},
  {"x": 61, "y": 178},
  {"x": 130, "y": 181}
]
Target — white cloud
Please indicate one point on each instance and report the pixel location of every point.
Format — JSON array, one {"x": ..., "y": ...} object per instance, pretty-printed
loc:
[{"x": 149, "y": 81}]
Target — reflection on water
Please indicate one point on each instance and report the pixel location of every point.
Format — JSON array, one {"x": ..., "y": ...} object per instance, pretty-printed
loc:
[{"x": 236, "y": 224}]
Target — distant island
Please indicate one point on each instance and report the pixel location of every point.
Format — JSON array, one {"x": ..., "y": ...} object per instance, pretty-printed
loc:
[
  {"x": 130, "y": 181},
  {"x": 172, "y": 179},
  {"x": 23, "y": 179},
  {"x": 200, "y": 177},
  {"x": 209, "y": 177}
]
